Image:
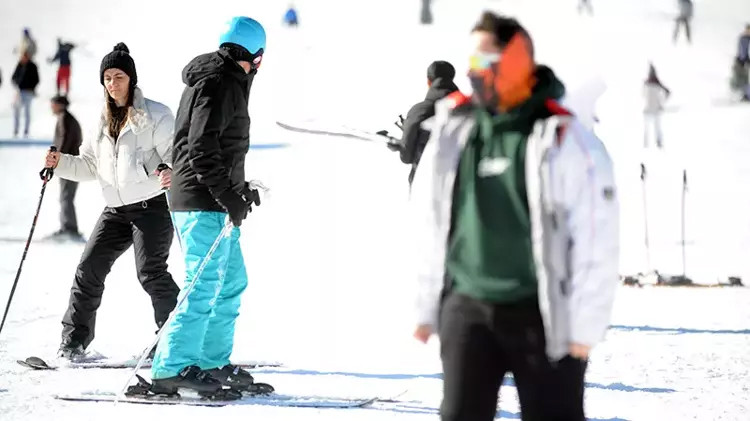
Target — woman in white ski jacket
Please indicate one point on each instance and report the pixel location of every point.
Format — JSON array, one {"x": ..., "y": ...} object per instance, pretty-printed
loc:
[{"x": 133, "y": 138}]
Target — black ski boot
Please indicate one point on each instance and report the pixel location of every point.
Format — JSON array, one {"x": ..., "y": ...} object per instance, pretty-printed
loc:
[
  {"x": 71, "y": 351},
  {"x": 239, "y": 379},
  {"x": 193, "y": 378}
]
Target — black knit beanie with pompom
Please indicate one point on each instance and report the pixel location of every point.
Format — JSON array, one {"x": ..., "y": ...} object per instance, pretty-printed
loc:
[{"x": 119, "y": 58}]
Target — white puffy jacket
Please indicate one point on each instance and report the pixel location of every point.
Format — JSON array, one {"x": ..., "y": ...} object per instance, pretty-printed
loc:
[
  {"x": 574, "y": 224},
  {"x": 125, "y": 167}
]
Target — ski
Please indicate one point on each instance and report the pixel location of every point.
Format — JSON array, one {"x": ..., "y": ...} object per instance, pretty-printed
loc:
[
  {"x": 300, "y": 401},
  {"x": 37, "y": 363},
  {"x": 341, "y": 131}
]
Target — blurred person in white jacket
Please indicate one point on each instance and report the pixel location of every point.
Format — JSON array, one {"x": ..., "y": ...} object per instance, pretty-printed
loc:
[
  {"x": 134, "y": 136},
  {"x": 655, "y": 95},
  {"x": 516, "y": 225}
]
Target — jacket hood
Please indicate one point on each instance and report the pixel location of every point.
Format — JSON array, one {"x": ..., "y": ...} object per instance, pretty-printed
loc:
[
  {"x": 440, "y": 88},
  {"x": 216, "y": 63}
]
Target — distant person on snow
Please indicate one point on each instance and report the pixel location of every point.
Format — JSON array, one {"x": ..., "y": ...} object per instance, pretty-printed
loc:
[
  {"x": 684, "y": 17},
  {"x": 25, "y": 79},
  {"x": 426, "y": 15},
  {"x": 585, "y": 4},
  {"x": 655, "y": 94},
  {"x": 741, "y": 68},
  {"x": 68, "y": 140},
  {"x": 27, "y": 45},
  {"x": 63, "y": 71},
  {"x": 133, "y": 138},
  {"x": 440, "y": 84},
  {"x": 290, "y": 17}
]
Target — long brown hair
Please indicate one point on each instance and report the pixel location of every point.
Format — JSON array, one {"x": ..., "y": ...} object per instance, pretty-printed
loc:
[{"x": 117, "y": 116}]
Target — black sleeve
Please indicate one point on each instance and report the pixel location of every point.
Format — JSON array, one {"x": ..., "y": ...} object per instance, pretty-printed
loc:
[
  {"x": 70, "y": 135},
  {"x": 16, "y": 78},
  {"x": 208, "y": 118},
  {"x": 412, "y": 130},
  {"x": 33, "y": 77}
]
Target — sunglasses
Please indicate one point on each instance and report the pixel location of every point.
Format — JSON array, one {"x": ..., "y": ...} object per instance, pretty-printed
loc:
[{"x": 483, "y": 61}]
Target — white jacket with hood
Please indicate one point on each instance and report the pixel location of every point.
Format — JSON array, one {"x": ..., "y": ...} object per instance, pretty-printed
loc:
[
  {"x": 125, "y": 166},
  {"x": 574, "y": 224}
]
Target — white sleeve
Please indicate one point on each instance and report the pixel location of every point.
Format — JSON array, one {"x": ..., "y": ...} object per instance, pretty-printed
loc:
[
  {"x": 589, "y": 197},
  {"x": 164, "y": 137},
  {"x": 78, "y": 168}
]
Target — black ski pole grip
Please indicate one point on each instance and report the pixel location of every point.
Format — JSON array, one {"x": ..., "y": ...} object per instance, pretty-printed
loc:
[{"x": 47, "y": 172}]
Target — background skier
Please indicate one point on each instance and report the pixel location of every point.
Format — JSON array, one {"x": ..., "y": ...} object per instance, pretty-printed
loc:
[
  {"x": 440, "y": 84},
  {"x": 68, "y": 140},
  {"x": 25, "y": 79},
  {"x": 684, "y": 17},
  {"x": 62, "y": 55},
  {"x": 655, "y": 94}
]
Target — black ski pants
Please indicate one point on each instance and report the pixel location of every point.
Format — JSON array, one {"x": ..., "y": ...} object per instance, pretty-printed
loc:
[
  {"x": 481, "y": 342},
  {"x": 148, "y": 227}
]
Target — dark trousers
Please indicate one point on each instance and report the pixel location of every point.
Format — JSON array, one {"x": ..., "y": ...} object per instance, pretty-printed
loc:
[
  {"x": 426, "y": 14},
  {"x": 148, "y": 226},
  {"x": 681, "y": 22},
  {"x": 68, "y": 220},
  {"x": 481, "y": 342}
]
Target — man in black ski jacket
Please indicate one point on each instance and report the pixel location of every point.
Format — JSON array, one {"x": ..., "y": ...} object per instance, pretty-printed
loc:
[
  {"x": 208, "y": 184},
  {"x": 440, "y": 76}
]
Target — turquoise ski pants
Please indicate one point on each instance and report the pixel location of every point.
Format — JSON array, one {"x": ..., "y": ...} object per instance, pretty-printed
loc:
[{"x": 202, "y": 331}]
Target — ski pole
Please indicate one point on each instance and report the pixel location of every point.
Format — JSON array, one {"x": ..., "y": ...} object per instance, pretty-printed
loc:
[
  {"x": 46, "y": 175},
  {"x": 185, "y": 293},
  {"x": 161, "y": 167},
  {"x": 645, "y": 218}
]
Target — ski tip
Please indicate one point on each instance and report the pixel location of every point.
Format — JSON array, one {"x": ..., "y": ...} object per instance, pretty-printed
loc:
[
  {"x": 36, "y": 363},
  {"x": 36, "y": 360}
]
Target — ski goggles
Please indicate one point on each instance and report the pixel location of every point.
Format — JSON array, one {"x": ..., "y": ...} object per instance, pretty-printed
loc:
[
  {"x": 482, "y": 61},
  {"x": 256, "y": 59}
]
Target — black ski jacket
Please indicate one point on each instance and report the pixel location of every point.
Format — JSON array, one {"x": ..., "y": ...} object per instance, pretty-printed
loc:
[
  {"x": 415, "y": 138},
  {"x": 26, "y": 76},
  {"x": 212, "y": 132}
]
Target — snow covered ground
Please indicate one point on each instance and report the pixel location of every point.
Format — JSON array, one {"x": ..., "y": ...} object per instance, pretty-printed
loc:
[{"x": 325, "y": 253}]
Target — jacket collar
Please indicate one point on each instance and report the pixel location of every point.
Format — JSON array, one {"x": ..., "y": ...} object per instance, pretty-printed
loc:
[{"x": 140, "y": 118}]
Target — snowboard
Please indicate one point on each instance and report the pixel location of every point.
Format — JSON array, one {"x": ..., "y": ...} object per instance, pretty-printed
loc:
[
  {"x": 37, "y": 363},
  {"x": 299, "y": 401}
]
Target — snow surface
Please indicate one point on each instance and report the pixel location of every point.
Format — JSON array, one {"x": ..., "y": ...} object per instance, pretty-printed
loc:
[{"x": 329, "y": 295}]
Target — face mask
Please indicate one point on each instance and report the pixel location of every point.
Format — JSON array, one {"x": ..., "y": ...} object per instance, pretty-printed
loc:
[
  {"x": 482, "y": 74},
  {"x": 502, "y": 81}
]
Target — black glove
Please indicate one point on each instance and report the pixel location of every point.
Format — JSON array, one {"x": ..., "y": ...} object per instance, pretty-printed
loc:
[
  {"x": 235, "y": 206},
  {"x": 252, "y": 197},
  {"x": 394, "y": 146}
]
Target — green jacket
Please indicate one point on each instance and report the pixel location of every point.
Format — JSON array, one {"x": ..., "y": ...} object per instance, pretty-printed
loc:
[{"x": 489, "y": 253}]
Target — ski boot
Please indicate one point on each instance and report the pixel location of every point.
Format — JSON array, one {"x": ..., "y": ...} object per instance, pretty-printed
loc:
[
  {"x": 239, "y": 379},
  {"x": 193, "y": 378},
  {"x": 71, "y": 350}
]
